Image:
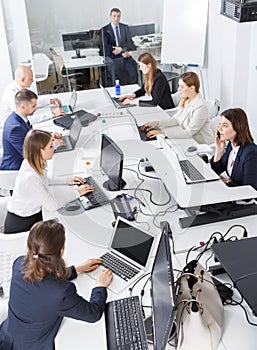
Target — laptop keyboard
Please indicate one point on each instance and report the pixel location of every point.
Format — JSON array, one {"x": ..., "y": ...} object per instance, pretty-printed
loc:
[
  {"x": 143, "y": 136},
  {"x": 97, "y": 198},
  {"x": 118, "y": 267},
  {"x": 124, "y": 324},
  {"x": 190, "y": 170}
]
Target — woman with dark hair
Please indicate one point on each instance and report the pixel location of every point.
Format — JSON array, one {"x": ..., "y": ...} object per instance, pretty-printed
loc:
[
  {"x": 41, "y": 293},
  {"x": 239, "y": 157},
  {"x": 155, "y": 84},
  {"x": 31, "y": 192},
  {"x": 192, "y": 117}
]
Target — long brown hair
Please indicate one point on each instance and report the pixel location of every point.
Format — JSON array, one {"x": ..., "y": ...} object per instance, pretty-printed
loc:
[
  {"x": 45, "y": 245},
  {"x": 238, "y": 119},
  {"x": 147, "y": 58},
  {"x": 190, "y": 79},
  {"x": 36, "y": 140}
]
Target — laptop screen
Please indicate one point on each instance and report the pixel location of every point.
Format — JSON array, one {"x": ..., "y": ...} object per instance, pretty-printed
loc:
[
  {"x": 73, "y": 99},
  {"x": 75, "y": 131},
  {"x": 132, "y": 242}
]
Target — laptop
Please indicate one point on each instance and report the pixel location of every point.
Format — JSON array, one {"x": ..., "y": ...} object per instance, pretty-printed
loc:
[
  {"x": 193, "y": 168},
  {"x": 142, "y": 133},
  {"x": 131, "y": 249},
  {"x": 239, "y": 259},
  {"x": 114, "y": 100},
  {"x": 70, "y": 140},
  {"x": 66, "y": 121},
  {"x": 72, "y": 103}
]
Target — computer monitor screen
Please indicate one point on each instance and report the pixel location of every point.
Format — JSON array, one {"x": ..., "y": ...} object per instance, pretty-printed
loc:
[
  {"x": 80, "y": 40},
  {"x": 163, "y": 292},
  {"x": 111, "y": 162},
  {"x": 142, "y": 29}
]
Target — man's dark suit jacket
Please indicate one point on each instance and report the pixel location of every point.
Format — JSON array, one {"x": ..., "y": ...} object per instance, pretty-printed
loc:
[
  {"x": 161, "y": 94},
  {"x": 14, "y": 132},
  {"x": 36, "y": 310},
  {"x": 109, "y": 40},
  {"x": 245, "y": 167}
]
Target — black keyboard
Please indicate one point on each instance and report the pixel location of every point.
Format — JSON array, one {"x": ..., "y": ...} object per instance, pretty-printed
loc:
[
  {"x": 96, "y": 198},
  {"x": 190, "y": 170},
  {"x": 119, "y": 267},
  {"x": 124, "y": 325},
  {"x": 142, "y": 134}
]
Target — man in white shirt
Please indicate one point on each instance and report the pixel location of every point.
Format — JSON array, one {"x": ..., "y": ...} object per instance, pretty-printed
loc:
[{"x": 23, "y": 80}]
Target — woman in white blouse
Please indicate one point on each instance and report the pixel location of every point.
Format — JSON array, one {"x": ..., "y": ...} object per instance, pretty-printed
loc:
[
  {"x": 31, "y": 192},
  {"x": 192, "y": 118}
]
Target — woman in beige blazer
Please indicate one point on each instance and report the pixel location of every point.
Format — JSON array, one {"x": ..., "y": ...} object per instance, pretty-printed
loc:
[{"x": 192, "y": 117}]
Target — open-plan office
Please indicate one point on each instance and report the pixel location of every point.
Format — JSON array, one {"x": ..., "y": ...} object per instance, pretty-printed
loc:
[{"x": 228, "y": 75}]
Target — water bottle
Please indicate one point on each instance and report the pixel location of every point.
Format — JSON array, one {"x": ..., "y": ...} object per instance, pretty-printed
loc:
[
  {"x": 117, "y": 87},
  {"x": 88, "y": 168},
  {"x": 104, "y": 127}
]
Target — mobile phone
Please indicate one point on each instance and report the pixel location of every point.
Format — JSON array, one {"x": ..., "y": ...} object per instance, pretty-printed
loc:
[{"x": 218, "y": 134}]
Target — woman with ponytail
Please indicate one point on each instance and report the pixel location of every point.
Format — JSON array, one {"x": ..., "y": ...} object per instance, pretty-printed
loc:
[
  {"x": 192, "y": 117},
  {"x": 42, "y": 293}
]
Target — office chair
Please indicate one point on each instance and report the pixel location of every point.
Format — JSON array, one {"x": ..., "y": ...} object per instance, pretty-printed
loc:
[
  {"x": 41, "y": 64},
  {"x": 7, "y": 180},
  {"x": 65, "y": 81}
]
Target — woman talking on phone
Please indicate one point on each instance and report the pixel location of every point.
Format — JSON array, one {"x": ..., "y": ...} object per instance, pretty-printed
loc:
[
  {"x": 238, "y": 158},
  {"x": 42, "y": 293}
]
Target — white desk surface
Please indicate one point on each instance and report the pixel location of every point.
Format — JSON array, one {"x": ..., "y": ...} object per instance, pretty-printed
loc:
[{"x": 88, "y": 234}]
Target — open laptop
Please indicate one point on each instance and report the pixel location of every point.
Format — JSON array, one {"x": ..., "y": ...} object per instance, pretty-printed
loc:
[
  {"x": 142, "y": 133},
  {"x": 239, "y": 259},
  {"x": 66, "y": 121},
  {"x": 114, "y": 100},
  {"x": 69, "y": 141},
  {"x": 72, "y": 103},
  {"x": 193, "y": 168},
  {"x": 131, "y": 249}
]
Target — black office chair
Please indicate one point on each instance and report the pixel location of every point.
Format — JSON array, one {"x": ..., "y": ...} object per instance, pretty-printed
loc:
[{"x": 65, "y": 81}]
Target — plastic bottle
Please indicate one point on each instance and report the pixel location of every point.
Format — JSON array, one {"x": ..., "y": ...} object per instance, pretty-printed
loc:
[
  {"x": 104, "y": 127},
  {"x": 88, "y": 168},
  {"x": 117, "y": 87}
]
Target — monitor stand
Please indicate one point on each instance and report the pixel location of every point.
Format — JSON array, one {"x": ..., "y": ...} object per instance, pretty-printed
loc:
[
  {"x": 78, "y": 55},
  {"x": 148, "y": 321},
  {"x": 207, "y": 214},
  {"x": 109, "y": 186}
]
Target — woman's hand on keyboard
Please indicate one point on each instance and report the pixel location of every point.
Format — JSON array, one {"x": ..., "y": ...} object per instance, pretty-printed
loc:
[
  {"x": 83, "y": 189},
  {"x": 89, "y": 265},
  {"x": 76, "y": 180},
  {"x": 104, "y": 278}
]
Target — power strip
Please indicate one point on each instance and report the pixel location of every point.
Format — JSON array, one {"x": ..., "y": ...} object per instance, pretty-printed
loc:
[{"x": 111, "y": 114}]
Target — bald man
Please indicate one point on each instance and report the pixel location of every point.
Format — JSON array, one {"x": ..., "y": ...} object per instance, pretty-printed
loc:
[{"x": 22, "y": 80}]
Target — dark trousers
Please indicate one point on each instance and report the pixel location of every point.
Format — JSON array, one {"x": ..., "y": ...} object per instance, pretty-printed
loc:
[
  {"x": 15, "y": 223},
  {"x": 123, "y": 69}
]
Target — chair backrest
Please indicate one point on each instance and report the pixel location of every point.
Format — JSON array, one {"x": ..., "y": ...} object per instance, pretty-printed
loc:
[
  {"x": 41, "y": 65},
  {"x": 58, "y": 64},
  {"x": 7, "y": 179}
]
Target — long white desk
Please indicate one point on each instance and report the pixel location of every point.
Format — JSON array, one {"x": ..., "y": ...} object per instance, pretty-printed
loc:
[{"x": 88, "y": 233}]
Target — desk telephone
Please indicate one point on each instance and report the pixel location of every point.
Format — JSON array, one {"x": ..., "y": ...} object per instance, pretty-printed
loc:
[{"x": 121, "y": 207}]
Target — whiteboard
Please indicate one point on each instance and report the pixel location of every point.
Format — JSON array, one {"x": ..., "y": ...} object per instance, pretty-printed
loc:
[{"x": 184, "y": 31}]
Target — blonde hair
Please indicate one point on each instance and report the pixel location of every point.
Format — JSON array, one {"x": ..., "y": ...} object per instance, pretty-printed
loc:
[
  {"x": 190, "y": 79},
  {"x": 147, "y": 58},
  {"x": 36, "y": 140}
]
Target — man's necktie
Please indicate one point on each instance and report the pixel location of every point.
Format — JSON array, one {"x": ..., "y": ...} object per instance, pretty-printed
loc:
[
  {"x": 117, "y": 35},
  {"x": 28, "y": 123}
]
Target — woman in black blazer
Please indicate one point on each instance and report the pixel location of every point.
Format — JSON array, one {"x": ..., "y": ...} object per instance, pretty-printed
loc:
[
  {"x": 155, "y": 84},
  {"x": 238, "y": 157},
  {"x": 41, "y": 293}
]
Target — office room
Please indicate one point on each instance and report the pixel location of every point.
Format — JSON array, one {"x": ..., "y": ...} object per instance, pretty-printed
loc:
[{"x": 149, "y": 194}]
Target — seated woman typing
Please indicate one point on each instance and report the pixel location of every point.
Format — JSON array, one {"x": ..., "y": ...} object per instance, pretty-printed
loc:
[
  {"x": 239, "y": 157},
  {"x": 155, "y": 84},
  {"x": 41, "y": 293},
  {"x": 192, "y": 118},
  {"x": 31, "y": 192}
]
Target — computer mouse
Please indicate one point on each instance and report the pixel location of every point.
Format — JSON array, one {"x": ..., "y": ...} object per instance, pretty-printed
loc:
[
  {"x": 191, "y": 149},
  {"x": 72, "y": 207}
]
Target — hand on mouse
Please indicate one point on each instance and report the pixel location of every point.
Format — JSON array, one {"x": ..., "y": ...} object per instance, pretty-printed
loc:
[{"x": 89, "y": 265}]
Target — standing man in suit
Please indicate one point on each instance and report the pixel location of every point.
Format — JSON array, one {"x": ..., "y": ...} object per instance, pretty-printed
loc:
[
  {"x": 16, "y": 128},
  {"x": 117, "y": 43}
]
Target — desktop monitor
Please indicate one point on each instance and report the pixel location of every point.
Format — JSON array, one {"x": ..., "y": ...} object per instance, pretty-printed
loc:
[
  {"x": 111, "y": 162},
  {"x": 163, "y": 291},
  {"x": 142, "y": 29},
  {"x": 77, "y": 41}
]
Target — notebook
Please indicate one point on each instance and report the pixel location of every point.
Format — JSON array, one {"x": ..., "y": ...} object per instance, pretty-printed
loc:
[
  {"x": 239, "y": 260},
  {"x": 142, "y": 133},
  {"x": 185, "y": 165},
  {"x": 114, "y": 100},
  {"x": 72, "y": 103},
  {"x": 132, "y": 248},
  {"x": 70, "y": 141}
]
